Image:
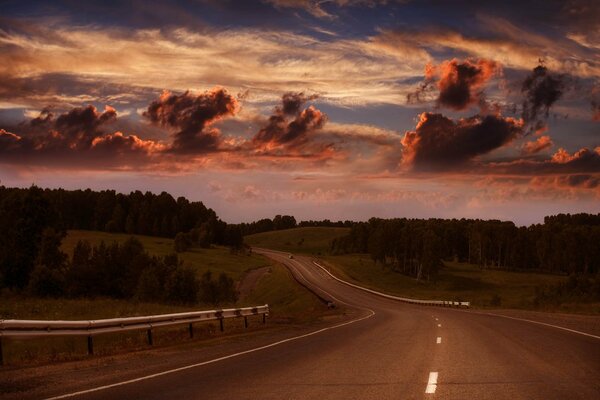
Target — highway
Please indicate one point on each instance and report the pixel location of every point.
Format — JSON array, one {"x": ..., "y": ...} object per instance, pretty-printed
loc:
[{"x": 388, "y": 350}]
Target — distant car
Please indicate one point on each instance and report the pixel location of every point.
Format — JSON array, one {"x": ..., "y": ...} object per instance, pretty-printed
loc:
[
  {"x": 291, "y": 256},
  {"x": 330, "y": 304}
]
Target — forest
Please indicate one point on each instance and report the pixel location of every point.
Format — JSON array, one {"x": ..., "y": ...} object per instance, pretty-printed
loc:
[
  {"x": 33, "y": 223},
  {"x": 563, "y": 244}
]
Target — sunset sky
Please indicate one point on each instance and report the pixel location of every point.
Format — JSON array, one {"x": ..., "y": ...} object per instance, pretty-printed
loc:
[{"x": 340, "y": 109}]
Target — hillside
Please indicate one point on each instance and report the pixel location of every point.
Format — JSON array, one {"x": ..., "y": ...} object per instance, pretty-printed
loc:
[{"x": 307, "y": 240}]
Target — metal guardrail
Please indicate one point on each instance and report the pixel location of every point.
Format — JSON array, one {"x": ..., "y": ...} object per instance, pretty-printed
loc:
[
  {"x": 440, "y": 303},
  {"x": 37, "y": 328}
]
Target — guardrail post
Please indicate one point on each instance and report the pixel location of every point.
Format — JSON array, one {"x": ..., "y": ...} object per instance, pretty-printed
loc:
[
  {"x": 150, "y": 341},
  {"x": 191, "y": 327},
  {"x": 90, "y": 341},
  {"x": 1, "y": 356},
  {"x": 245, "y": 321},
  {"x": 221, "y": 323},
  {"x": 264, "y": 318}
]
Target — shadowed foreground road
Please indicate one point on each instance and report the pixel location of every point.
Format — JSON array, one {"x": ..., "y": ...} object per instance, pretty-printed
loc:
[{"x": 392, "y": 350}]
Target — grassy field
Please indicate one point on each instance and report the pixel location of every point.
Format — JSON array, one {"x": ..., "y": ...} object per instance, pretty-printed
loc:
[
  {"x": 216, "y": 259},
  {"x": 309, "y": 240},
  {"x": 455, "y": 281},
  {"x": 289, "y": 303}
]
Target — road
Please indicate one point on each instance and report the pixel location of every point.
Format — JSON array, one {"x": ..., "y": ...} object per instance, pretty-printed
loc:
[{"x": 390, "y": 350}]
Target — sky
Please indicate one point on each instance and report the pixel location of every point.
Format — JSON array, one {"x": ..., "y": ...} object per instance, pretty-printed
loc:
[{"x": 337, "y": 109}]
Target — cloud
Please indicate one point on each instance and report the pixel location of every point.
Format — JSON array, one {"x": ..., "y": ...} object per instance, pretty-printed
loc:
[
  {"x": 535, "y": 146},
  {"x": 290, "y": 126},
  {"x": 583, "y": 182},
  {"x": 541, "y": 90},
  {"x": 595, "y": 103},
  {"x": 583, "y": 161},
  {"x": 76, "y": 138},
  {"x": 439, "y": 142},
  {"x": 314, "y": 7},
  {"x": 192, "y": 116},
  {"x": 459, "y": 84}
]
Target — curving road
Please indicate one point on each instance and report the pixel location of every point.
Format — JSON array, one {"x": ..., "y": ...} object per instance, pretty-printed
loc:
[{"x": 390, "y": 350}]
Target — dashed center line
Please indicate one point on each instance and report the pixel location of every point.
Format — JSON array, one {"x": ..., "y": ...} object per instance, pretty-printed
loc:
[
  {"x": 439, "y": 340},
  {"x": 432, "y": 383}
]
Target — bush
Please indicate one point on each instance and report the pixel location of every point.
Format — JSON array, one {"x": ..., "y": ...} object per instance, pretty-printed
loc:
[
  {"x": 183, "y": 286},
  {"x": 182, "y": 242},
  {"x": 496, "y": 300},
  {"x": 47, "y": 282}
]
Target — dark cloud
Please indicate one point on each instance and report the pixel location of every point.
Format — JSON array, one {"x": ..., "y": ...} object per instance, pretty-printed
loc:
[
  {"x": 459, "y": 84},
  {"x": 73, "y": 139},
  {"x": 541, "y": 90},
  {"x": 192, "y": 115},
  {"x": 75, "y": 129},
  {"x": 289, "y": 125},
  {"x": 439, "y": 142}
]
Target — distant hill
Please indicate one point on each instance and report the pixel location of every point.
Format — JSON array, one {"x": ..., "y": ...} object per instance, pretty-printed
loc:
[{"x": 309, "y": 240}]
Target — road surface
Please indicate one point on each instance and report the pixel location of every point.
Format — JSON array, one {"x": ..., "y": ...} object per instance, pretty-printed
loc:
[{"x": 390, "y": 350}]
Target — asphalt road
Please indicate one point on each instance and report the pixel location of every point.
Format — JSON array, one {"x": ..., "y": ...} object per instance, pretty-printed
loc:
[{"x": 391, "y": 350}]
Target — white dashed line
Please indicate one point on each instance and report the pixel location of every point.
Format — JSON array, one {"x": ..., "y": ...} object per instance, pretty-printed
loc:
[
  {"x": 432, "y": 383},
  {"x": 439, "y": 340}
]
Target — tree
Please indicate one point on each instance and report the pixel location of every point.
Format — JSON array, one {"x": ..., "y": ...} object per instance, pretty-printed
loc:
[{"x": 48, "y": 277}]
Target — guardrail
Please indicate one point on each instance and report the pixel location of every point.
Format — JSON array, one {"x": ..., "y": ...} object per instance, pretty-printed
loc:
[
  {"x": 440, "y": 303},
  {"x": 90, "y": 328}
]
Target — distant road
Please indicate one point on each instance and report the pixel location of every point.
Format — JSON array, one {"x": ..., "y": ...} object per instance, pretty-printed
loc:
[{"x": 390, "y": 350}]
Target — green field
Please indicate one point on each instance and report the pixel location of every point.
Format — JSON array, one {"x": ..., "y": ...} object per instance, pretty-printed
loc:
[
  {"x": 216, "y": 259},
  {"x": 309, "y": 240},
  {"x": 484, "y": 288},
  {"x": 288, "y": 301},
  {"x": 455, "y": 281}
]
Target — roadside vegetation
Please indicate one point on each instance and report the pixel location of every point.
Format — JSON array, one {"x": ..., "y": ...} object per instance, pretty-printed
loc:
[{"x": 486, "y": 285}]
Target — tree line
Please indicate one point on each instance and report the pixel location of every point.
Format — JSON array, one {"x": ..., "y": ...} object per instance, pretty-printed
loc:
[
  {"x": 280, "y": 222},
  {"x": 134, "y": 213},
  {"x": 563, "y": 244}
]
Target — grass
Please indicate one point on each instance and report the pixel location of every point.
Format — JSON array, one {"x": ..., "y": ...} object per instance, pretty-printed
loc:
[
  {"x": 288, "y": 301},
  {"x": 455, "y": 281},
  {"x": 308, "y": 240}
]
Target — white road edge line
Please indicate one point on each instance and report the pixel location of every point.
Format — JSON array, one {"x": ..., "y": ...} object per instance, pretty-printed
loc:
[
  {"x": 432, "y": 383},
  {"x": 439, "y": 340},
  {"x": 171, "y": 371},
  {"x": 538, "y": 322},
  {"x": 473, "y": 312}
]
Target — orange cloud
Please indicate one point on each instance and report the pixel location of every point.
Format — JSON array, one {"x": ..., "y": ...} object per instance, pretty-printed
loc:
[
  {"x": 540, "y": 144},
  {"x": 459, "y": 84}
]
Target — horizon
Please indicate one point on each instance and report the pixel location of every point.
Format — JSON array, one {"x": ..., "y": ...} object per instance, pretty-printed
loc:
[
  {"x": 298, "y": 220},
  {"x": 322, "y": 110}
]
